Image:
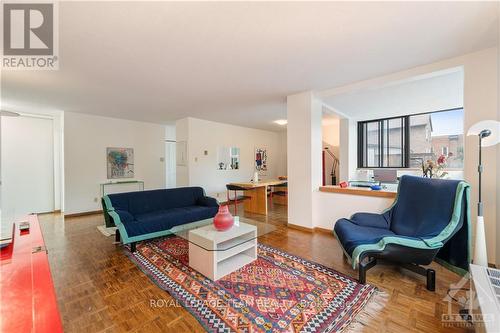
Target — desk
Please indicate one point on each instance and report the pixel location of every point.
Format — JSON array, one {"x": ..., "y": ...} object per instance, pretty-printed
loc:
[
  {"x": 28, "y": 300},
  {"x": 358, "y": 191},
  {"x": 257, "y": 195}
]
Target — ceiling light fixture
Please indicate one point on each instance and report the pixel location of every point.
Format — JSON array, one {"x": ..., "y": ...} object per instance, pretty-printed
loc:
[{"x": 281, "y": 122}]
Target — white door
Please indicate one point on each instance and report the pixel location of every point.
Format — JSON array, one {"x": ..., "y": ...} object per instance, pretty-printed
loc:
[
  {"x": 170, "y": 165},
  {"x": 27, "y": 166}
]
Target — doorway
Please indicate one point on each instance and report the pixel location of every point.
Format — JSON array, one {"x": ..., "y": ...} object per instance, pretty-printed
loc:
[{"x": 27, "y": 166}]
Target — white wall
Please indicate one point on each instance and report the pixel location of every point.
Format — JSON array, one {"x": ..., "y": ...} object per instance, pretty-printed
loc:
[
  {"x": 170, "y": 158},
  {"x": 498, "y": 146},
  {"x": 330, "y": 207},
  {"x": 202, "y": 135},
  {"x": 181, "y": 134},
  {"x": 86, "y": 138},
  {"x": 432, "y": 92},
  {"x": 348, "y": 149},
  {"x": 331, "y": 140},
  {"x": 283, "y": 166}
]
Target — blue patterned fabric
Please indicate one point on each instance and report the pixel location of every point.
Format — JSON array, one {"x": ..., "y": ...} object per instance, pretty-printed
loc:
[
  {"x": 427, "y": 214},
  {"x": 139, "y": 215}
]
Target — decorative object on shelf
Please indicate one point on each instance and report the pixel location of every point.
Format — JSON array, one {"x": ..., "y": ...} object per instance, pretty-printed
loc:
[
  {"x": 488, "y": 133},
  {"x": 261, "y": 159},
  {"x": 223, "y": 220},
  {"x": 255, "y": 177},
  {"x": 120, "y": 162}
]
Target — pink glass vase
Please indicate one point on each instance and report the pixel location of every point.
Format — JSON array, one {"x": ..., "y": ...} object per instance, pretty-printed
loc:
[{"x": 223, "y": 220}]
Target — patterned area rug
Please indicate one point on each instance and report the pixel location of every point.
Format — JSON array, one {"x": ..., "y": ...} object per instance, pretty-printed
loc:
[{"x": 278, "y": 292}]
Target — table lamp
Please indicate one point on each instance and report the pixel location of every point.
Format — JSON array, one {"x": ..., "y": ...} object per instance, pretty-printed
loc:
[{"x": 488, "y": 133}]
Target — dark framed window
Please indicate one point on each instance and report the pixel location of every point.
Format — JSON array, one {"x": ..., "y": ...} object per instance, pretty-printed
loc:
[
  {"x": 408, "y": 141},
  {"x": 383, "y": 143}
]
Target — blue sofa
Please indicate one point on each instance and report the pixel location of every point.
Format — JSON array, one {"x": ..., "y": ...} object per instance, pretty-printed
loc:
[{"x": 149, "y": 214}]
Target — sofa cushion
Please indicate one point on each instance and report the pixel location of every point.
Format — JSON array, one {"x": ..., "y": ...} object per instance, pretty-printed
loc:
[
  {"x": 141, "y": 202},
  {"x": 181, "y": 197},
  {"x": 166, "y": 219},
  {"x": 146, "y": 201}
]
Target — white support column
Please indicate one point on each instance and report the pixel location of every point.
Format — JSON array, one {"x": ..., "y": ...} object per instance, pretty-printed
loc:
[{"x": 303, "y": 156}]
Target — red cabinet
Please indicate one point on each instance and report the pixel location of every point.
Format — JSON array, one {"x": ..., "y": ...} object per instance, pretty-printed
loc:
[{"x": 28, "y": 301}]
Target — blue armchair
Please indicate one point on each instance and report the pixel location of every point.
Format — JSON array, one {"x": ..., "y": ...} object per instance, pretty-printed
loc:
[{"x": 429, "y": 220}]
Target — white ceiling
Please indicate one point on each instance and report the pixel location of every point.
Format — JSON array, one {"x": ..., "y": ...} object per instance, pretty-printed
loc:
[
  {"x": 236, "y": 62},
  {"x": 442, "y": 91}
]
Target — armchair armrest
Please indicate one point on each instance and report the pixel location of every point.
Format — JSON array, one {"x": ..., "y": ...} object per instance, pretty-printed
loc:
[
  {"x": 207, "y": 202},
  {"x": 371, "y": 220}
]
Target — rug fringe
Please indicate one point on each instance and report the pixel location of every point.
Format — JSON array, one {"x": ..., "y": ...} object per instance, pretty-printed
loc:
[{"x": 370, "y": 312}]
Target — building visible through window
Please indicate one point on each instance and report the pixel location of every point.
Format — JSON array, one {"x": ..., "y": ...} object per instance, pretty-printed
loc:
[{"x": 408, "y": 141}]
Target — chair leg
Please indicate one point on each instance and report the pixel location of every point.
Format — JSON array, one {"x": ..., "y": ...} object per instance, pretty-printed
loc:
[
  {"x": 117, "y": 236},
  {"x": 431, "y": 280},
  {"x": 235, "y": 203},
  {"x": 133, "y": 247},
  {"x": 429, "y": 273},
  {"x": 362, "y": 274},
  {"x": 364, "y": 267}
]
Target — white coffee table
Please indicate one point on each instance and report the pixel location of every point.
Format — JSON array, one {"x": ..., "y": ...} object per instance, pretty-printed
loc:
[{"x": 218, "y": 253}]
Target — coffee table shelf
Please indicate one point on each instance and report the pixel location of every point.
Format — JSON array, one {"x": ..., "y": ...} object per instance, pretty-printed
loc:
[{"x": 218, "y": 253}]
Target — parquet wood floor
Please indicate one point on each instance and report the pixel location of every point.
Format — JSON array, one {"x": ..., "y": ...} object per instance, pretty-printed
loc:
[{"x": 100, "y": 290}]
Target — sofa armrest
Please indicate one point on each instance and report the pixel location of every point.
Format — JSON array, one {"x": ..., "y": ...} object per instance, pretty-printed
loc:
[
  {"x": 207, "y": 201},
  {"x": 124, "y": 216}
]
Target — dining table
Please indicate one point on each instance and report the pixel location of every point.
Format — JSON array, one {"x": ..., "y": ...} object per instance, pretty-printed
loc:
[{"x": 256, "y": 194}]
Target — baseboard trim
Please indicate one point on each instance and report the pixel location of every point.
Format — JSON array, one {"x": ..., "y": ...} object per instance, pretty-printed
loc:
[
  {"x": 324, "y": 230},
  {"x": 315, "y": 229},
  {"x": 299, "y": 227},
  {"x": 94, "y": 212}
]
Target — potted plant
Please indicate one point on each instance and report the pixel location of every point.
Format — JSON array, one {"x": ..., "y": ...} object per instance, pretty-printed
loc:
[{"x": 435, "y": 169}]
